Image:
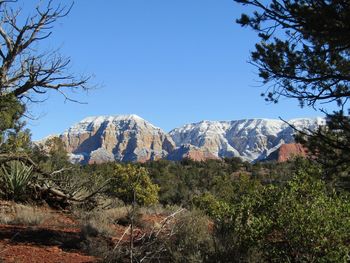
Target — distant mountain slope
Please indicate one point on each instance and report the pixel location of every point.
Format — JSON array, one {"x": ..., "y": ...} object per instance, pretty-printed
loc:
[
  {"x": 124, "y": 138},
  {"x": 129, "y": 138},
  {"x": 252, "y": 139}
]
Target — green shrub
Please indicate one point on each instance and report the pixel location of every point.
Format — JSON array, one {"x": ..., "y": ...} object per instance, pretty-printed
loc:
[
  {"x": 15, "y": 177},
  {"x": 100, "y": 222},
  {"x": 192, "y": 240},
  {"x": 130, "y": 182},
  {"x": 300, "y": 221},
  {"x": 308, "y": 224}
]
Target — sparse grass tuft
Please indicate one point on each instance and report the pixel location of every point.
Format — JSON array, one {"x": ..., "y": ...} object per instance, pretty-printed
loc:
[
  {"x": 24, "y": 215},
  {"x": 157, "y": 209},
  {"x": 4, "y": 218},
  {"x": 100, "y": 222}
]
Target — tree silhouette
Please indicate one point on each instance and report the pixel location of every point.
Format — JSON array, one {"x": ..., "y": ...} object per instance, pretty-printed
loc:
[{"x": 304, "y": 53}]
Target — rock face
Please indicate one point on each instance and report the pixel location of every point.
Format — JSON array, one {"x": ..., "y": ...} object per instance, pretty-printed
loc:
[
  {"x": 192, "y": 152},
  {"x": 252, "y": 140},
  {"x": 286, "y": 152},
  {"x": 124, "y": 138},
  {"x": 129, "y": 138}
]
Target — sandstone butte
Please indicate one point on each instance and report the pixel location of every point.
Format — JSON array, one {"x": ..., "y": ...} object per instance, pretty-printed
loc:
[{"x": 288, "y": 151}]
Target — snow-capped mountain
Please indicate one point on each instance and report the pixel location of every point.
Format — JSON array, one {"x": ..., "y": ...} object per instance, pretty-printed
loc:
[
  {"x": 123, "y": 138},
  {"x": 251, "y": 139},
  {"x": 131, "y": 138}
]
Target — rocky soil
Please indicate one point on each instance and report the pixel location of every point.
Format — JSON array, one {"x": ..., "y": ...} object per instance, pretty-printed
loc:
[{"x": 56, "y": 239}]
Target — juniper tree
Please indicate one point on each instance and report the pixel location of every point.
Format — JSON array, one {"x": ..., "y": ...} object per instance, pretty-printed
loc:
[{"x": 304, "y": 53}]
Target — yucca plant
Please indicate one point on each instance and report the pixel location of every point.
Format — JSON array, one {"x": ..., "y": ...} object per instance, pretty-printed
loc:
[{"x": 15, "y": 177}]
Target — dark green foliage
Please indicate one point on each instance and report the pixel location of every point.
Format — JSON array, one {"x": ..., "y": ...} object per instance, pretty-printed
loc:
[
  {"x": 57, "y": 154},
  {"x": 300, "y": 221},
  {"x": 16, "y": 140},
  {"x": 177, "y": 182},
  {"x": 237, "y": 230},
  {"x": 307, "y": 223},
  {"x": 12, "y": 136},
  {"x": 10, "y": 111},
  {"x": 51, "y": 155},
  {"x": 180, "y": 181},
  {"x": 303, "y": 58},
  {"x": 330, "y": 146}
]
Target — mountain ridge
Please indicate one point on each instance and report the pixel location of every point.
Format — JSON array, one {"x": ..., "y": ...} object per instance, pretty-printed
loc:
[{"x": 128, "y": 138}]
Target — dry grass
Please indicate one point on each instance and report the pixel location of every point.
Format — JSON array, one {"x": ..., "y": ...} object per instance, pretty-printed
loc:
[
  {"x": 152, "y": 210},
  {"x": 23, "y": 215},
  {"x": 100, "y": 222},
  {"x": 117, "y": 213},
  {"x": 4, "y": 219},
  {"x": 95, "y": 227},
  {"x": 158, "y": 209}
]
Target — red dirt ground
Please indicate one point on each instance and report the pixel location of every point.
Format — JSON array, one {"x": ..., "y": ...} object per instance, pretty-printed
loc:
[
  {"x": 35, "y": 254},
  {"x": 55, "y": 241}
]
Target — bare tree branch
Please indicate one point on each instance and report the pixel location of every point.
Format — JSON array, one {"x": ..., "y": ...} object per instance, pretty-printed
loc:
[{"x": 25, "y": 71}]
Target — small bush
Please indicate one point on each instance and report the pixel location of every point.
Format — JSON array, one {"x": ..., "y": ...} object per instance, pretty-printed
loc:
[
  {"x": 192, "y": 241},
  {"x": 100, "y": 222},
  {"x": 183, "y": 237},
  {"x": 96, "y": 225}
]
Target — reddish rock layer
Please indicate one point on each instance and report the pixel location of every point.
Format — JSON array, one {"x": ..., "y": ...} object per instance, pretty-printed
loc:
[
  {"x": 198, "y": 155},
  {"x": 290, "y": 150}
]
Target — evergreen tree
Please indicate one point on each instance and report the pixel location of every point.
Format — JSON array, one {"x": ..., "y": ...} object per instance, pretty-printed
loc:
[
  {"x": 331, "y": 145},
  {"x": 309, "y": 59},
  {"x": 304, "y": 53},
  {"x": 11, "y": 110}
]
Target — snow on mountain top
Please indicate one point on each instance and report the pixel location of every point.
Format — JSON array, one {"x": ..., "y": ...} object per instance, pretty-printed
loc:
[
  {"x": 303, "y": 121},
  {"x": 90, "y": 123},
  {"x": 252, "y": 123},
  {"x": 250, "y": 132},
  {"x": 273, "y": 126},
  {"x": 45, "y": 139},
  {"x": 100, "y": 119},
  {"x": 48, "y": 137}
]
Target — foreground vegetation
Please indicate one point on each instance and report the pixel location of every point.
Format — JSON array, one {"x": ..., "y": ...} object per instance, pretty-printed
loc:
[{"x": 212, "y": 211}]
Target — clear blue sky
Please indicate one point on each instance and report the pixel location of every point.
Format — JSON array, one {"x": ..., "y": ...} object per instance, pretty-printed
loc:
[{"x": 170, "y": 62}]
